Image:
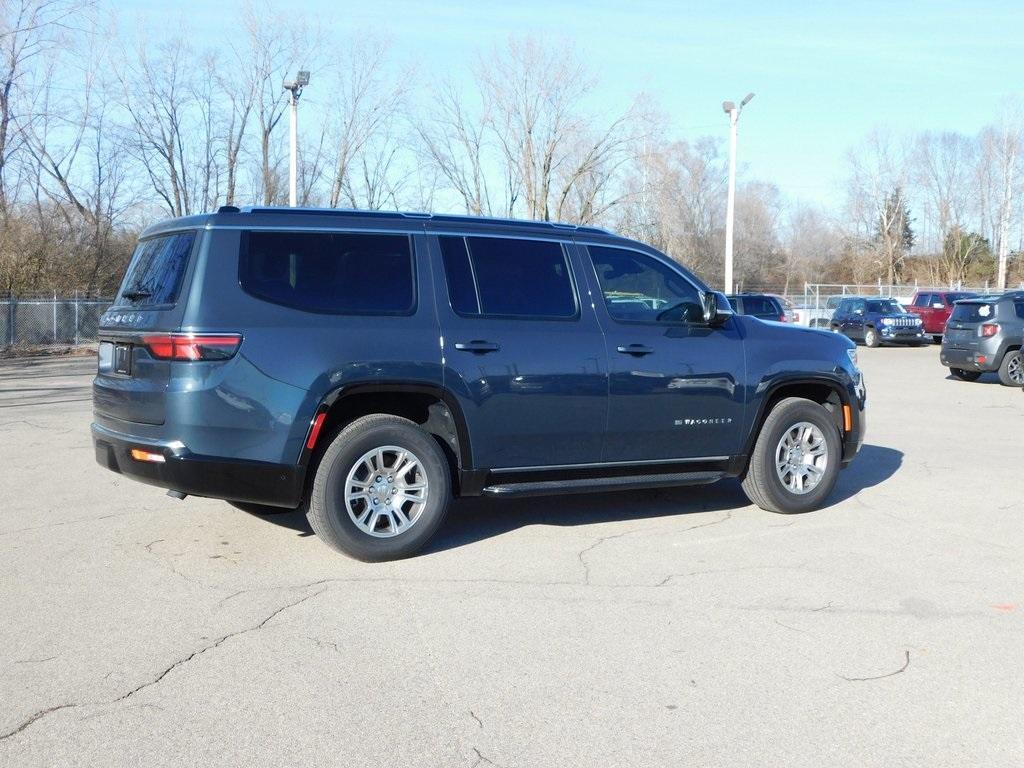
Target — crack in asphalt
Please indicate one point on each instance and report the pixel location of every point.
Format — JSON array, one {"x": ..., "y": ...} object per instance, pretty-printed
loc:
[
  {"x": 580, "y": 555},
  {"x": 37, "y": 716},
  {"x": 179, "y": 663},
  {"x": 481, "y": 760},
  {"x": 878, "y": 677}
]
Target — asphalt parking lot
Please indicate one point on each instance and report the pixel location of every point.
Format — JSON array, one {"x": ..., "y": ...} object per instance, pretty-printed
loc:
[{"x": 630, "y": 629}]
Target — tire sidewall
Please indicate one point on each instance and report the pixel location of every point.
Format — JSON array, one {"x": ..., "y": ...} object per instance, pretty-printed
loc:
[
  {"x": 792, "y": 414},
  {"x": 1004, "y": 368},
  {"x": 328, "y": 491},
  {"x": 871, "y": 337}
]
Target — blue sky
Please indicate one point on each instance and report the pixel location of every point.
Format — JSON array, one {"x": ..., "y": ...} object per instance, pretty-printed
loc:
[{"x": 825, "y": 73}]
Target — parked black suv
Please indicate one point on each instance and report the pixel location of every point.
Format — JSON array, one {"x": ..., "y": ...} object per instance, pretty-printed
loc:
[
  {"x": 760, "y": 305},
  {"x": 985, "y": 333},
  {"x": 877, "y": 321},
  {"x": 369, "y": 366}
]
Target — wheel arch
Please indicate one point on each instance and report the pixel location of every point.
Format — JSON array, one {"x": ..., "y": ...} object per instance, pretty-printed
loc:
[
  {"x": 431, "y": 406},
  {"x": 819, "y": 389}
]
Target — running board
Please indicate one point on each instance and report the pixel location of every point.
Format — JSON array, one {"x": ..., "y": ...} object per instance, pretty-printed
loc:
[{"x": 557, "y": 487}]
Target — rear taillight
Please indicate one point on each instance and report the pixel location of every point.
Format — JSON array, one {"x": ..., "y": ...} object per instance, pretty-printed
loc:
[
  {"x": 193, "y": 346},
  {"x": 989, "y": 329},
  {"x": 782, "y": 318}
]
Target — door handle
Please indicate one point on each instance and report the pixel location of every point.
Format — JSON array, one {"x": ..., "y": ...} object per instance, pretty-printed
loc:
[
  {"x": 638, "y": 350},
  {"x": 477, "y": 346}
]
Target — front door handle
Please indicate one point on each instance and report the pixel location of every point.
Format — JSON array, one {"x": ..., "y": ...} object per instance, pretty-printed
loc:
[
  {"x": 638, "y": 350},
  {"x": 477, "y": 346}
]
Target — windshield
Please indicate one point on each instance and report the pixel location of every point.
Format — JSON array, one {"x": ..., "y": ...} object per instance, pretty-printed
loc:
[{"x": 884, "y": 307}]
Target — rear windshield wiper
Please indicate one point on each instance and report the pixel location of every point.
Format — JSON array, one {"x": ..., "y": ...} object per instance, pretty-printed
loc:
[{"x": 136, "y": 294}]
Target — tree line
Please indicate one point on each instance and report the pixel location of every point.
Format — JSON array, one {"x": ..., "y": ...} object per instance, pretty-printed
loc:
[{"x": 105, "y": 129}]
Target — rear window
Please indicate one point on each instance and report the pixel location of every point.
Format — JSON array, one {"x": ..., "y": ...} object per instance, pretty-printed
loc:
[
  {"x": 330, "y": 272},
  {"x": 157, "y": 270},
  {"x": 508, "y": 277},
  {"x": 972, "y": 313},
  {"x": 760, "y": 305}
]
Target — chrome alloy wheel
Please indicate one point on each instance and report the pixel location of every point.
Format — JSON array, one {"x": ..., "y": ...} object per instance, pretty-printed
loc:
[
  {"x": 801, "y": 457},
  {"x": 386, "y": 491}
]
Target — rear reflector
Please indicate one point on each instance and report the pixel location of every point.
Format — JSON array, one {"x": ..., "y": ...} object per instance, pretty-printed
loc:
[
  {"x": 154, "y": 458},
  {"x": 193, "y": 346},
  {"x": 314, "y": 432},
  {"x": 847, "y": 419}
]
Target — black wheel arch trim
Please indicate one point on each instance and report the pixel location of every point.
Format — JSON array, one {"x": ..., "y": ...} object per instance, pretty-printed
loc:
[
  {"x": 395, "y": 387},
  {"x": 766, "y": 397}
]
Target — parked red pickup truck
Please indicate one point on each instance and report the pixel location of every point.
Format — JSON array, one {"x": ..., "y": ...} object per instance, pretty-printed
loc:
[{"x": 934, "y": 309}]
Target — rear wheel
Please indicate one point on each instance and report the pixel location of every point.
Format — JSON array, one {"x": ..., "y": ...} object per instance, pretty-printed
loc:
[
  {"x": 381, "y": 490},
  {"x": 796, "y": 458},
  {"x": 870, "y": 337},
  {"x": 963, "y": 375},
  {"x": 1011, "y": 370}
]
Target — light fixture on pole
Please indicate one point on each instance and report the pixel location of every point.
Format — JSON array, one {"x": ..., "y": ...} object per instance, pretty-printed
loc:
[
  {"x": 295, "y": 88},
  {"x": 730, "y": 210}
]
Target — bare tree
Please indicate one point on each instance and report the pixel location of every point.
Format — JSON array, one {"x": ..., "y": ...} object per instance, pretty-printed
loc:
[{"x": 1000, "y": 171}]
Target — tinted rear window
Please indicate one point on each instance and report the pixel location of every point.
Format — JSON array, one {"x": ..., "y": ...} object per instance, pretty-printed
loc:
[
  {"x": 760, "y": 305},
  {"x": 505, "y": 276},
  {"x": 157, "y": 270},
  {"x": 331, "y": 272},
  {"x": 973, "y": 313}
]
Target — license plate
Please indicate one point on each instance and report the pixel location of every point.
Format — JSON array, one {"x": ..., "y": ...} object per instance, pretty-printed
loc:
[{"x": 123, "y": 359}]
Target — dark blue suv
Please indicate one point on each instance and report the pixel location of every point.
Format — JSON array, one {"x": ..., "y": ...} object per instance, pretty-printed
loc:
[
  {"x": 367, "y": 367},
  {"x": 877, "y": 321}
]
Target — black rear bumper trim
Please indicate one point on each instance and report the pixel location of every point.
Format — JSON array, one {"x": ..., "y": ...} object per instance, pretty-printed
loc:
[{"x": 257, "y": 482}]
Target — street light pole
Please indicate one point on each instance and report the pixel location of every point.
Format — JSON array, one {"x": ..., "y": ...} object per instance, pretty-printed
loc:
[
  {"x": 294, "y": 87},
  {"x": 730, "y": 208}
]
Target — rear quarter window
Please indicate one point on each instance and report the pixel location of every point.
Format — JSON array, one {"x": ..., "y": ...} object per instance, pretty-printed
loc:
[
  {"x": 330, "y": 272},
  {"x": 157, "y": 270}
]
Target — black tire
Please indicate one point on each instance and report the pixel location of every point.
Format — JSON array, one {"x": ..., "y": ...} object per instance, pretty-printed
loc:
[
  {"x": 260, "y": 509},
  {"x": 964, "y": 375},
  {"x": 328, "y": 514},
  {"x": 871, "y": 337},
  {"x": 762, "y": 483},
  {"x": 1011, "y": 370}
]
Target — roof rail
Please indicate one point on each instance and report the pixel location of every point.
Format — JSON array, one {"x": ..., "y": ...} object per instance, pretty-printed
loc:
[{"x": 395, "y": 215}]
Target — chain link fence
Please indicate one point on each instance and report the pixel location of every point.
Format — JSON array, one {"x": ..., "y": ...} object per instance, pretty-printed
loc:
[{"x": 51, "y": 321}]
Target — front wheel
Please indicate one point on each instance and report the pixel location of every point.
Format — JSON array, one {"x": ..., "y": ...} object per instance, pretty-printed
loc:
[
  {"x": 964, "y": 375},
  {"x": 381, "y": 490},
  {"x": 1011, "y": 370},
  {"x": 796, "y": 458},
  {"x": 870, "y": 337}
]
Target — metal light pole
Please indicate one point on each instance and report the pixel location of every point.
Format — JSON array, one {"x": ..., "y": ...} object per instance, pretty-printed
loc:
[
  {"x": 730, "y": 210},
  {"x": 295, "y": 88}
]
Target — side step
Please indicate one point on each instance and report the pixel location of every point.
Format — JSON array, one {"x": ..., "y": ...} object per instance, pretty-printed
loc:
[{"x": 557, "y": 487}]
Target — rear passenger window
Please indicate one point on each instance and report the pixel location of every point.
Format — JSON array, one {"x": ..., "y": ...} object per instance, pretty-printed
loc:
[
  {"x": 1019, "y": 308},
  {"x": 757, "y": 305},
  {"x": 504, "y": 276},
  {"x": 330, "y": 272}
]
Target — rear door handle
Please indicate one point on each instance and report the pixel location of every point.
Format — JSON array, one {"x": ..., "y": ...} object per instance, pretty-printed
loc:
[
  {"x": 638, "y": 350},
  {"x": 477, "y": 346}
]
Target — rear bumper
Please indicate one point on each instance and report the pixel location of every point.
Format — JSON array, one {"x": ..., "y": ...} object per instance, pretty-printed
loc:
[
  {"x": 258, "y": 482},
  {"x": 966, "y": 359}
]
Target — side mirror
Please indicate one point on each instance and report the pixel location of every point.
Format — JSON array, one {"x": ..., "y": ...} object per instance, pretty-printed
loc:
[{"x": 716, "y": 308}]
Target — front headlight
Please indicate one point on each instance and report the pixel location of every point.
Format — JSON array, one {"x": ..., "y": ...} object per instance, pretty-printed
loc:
[
  {"x": 853, "y": 357},
  {"x": 886, "y": 321}
]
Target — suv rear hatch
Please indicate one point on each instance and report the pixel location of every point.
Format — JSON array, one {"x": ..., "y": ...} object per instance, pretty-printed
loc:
[
  {"x": 133, "y": 368},
  {"x": 962, "y": 326}
]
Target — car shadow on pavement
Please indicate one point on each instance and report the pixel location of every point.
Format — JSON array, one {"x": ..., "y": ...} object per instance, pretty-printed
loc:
[{"x": 476, "y": 519}]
